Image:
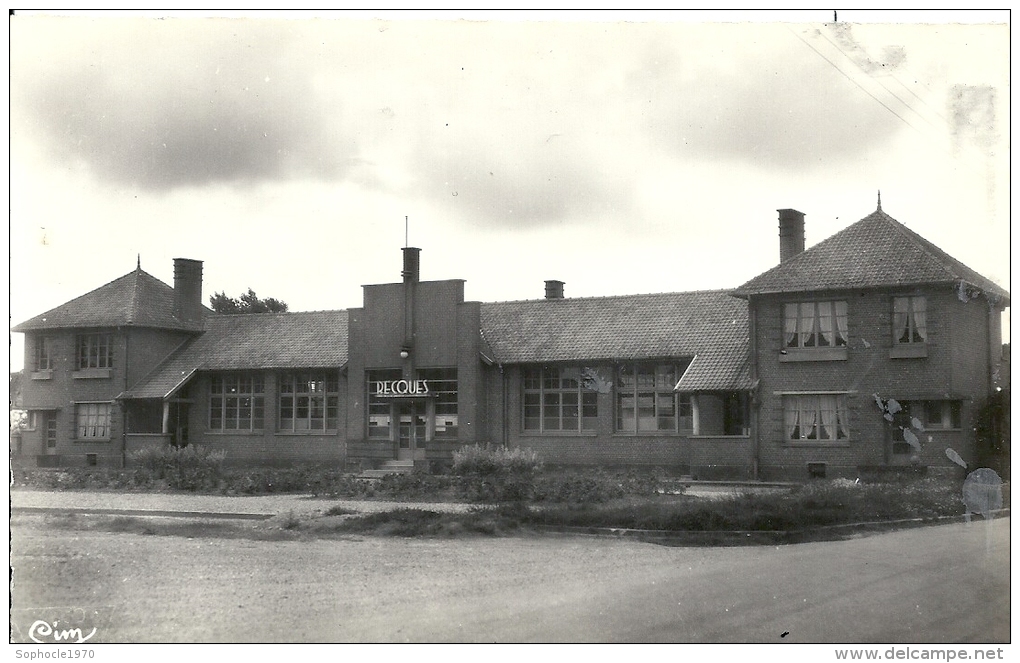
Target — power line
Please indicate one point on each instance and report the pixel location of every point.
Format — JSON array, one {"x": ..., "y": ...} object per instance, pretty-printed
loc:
[
  {"x": 847, "y": 76},
  {"x": 879, "y": 83}
]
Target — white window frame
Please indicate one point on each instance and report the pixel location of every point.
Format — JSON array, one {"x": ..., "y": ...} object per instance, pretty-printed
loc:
[
  {"x": 820, "y": 418},
  {"x": 553, "y": 402},
  {"x": 320, "y": 393},
  {"x": 231, "y": 391},
  {"x": 92, "y": 421},
  {"x": 664, "y": 376}
]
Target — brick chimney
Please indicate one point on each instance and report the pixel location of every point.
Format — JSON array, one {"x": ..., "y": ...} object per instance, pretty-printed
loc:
[
  {"x": 412, "y": 259},
  {"x": 554, "y": 289},
  {"x": 410, "y": 274},
  {"x": 188, "y": 290},
  {"x": 791, "y": 233}
]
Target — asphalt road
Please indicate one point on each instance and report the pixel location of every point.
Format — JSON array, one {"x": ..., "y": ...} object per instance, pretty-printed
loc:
[{"x": 948, "y": 583}]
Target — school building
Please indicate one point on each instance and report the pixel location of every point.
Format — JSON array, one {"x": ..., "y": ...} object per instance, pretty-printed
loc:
[{"x": 869, "y": 351}]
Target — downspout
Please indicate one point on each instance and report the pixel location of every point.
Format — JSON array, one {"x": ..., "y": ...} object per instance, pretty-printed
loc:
[
  {"x": 123, "y": 404},
  {"x": 752, "y": 323},
  {"x": 505, "y": 433}
]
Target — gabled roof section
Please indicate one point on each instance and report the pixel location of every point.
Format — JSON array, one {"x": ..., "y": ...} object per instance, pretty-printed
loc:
[
  {"x": 252, "y": 341},
  {"x": 718, "y": 369},
  {"x": 877, "y": 251},
  {"x": 681, "y": 324},
  {"x": 137, "y": 299}
]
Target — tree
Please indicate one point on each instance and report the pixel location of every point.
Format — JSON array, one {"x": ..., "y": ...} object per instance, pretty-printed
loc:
[{"x": 249, "y": 302}]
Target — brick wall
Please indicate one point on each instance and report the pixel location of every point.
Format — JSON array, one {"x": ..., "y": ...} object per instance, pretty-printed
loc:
[
  {"x": 954, "y": 368},
  {"x": 268, "y": 446},
  {"x": 706, "y": 457}
]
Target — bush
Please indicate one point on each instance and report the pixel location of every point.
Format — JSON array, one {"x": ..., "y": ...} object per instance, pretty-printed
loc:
[
  {"x": 191, "y": 468},
  {"x": 496, "y": 474},
  {"x": 586, "y": 488}
]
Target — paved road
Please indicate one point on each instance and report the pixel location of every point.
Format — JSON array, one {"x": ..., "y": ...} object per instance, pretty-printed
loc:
[
  {"x": 192, "y": 503},
  {"x": 948, "y": 583}
]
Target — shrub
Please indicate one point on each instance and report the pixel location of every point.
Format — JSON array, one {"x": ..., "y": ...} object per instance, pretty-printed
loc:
[
  {"x": 496, "y": 474},
  {"x": 416, "y": 485},
  {"x": 585, "y": 488},
  {"x": 191, "y": 468},
  {"x": 486, "y": 461}
]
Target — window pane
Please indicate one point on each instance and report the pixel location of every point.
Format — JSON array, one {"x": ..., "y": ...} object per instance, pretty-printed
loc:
[
  {"x": 665, "y": 412},
  {"x": 646, "y": 412}
]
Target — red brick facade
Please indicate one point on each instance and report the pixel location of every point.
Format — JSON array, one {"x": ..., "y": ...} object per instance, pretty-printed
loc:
[{"x": 708, "y": 384}]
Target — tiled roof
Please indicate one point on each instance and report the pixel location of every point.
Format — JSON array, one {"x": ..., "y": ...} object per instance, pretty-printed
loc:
[
  {"x": 249, "y": 342},
  {"x": 877, "y": 251},
  {"x": 680, "y": 324},
  {"x": 718, "y": 369},
  {"x": 137, "y": 299}
]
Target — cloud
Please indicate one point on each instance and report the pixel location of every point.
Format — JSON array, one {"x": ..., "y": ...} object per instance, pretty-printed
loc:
[
  {"x": 758, "y": 95},
  {"x": 163, "y": 104},
  {"x": 524, "y": 123}
]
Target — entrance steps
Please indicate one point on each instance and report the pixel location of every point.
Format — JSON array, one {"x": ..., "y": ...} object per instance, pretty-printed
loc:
[{"x": 389, "y": 467}]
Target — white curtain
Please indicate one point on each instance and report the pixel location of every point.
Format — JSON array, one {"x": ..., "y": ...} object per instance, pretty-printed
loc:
[
  {"x": 841, "y": 333},
  {"x": 825, "y": 323},
  {"x": 791, "y": 417},
  {"x": 901, "y": 308},
  {"x": 790, "y": 322},
  {"x": 809, "y": 417},
  {"x": 917, "y": 305},
  {"x": 827, "y": 405},
  {"x": 807, "y": 325}
]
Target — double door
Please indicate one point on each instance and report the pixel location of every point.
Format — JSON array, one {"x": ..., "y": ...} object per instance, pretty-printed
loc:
[{"x": 412, "y": 429}]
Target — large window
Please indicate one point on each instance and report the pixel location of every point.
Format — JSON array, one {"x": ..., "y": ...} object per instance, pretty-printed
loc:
[
  {"x": 931, "y": 415},
  {"x": 236, "y": 402},
  {"x": 42, "y": 359},
  {"x": 910, "y": 320},
  {"x": 442, "y": 384},
  {"x": 557, "y": 399},
  {"x": 309, "y": 401},
  {"x": 645, "y": 401},
  {"x": 816, "y": 417},
  {"x": 93, "y": 351},
  {"x": 379, "y": 410},
  {"x": 92, "y": 421},
  {"x": 815, "y": 325}
]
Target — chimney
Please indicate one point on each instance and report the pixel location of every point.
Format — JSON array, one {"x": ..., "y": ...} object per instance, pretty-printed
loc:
[
  {"x": 411, "y": 260},
  {"x": 791, "y": 233},
  {"x": 554, "y": 289},
  {"x": 188, "y": 290}
]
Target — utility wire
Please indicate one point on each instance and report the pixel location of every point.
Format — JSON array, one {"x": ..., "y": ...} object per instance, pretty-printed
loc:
[
  {"x": 879, "y": 83},
  {"x": 865, "y": 90}
]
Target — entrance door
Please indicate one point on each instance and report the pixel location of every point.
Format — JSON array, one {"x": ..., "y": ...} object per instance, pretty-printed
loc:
[
  {"x": 177, "y": 424},
  {"x": 49, "y": 421},
  {"x": 411, "y": 430}
]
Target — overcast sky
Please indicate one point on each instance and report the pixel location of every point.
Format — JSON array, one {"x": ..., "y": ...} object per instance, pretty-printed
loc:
[{"x": 620, "y": 156}]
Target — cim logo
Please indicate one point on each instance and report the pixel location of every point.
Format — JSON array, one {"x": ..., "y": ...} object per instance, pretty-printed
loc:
[
  {"x": 43, "y": 633},
  {"x": 402, "y": 388}
]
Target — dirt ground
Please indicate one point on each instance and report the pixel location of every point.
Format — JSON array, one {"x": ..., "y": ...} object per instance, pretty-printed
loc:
[{"x": 132, "y": 587}]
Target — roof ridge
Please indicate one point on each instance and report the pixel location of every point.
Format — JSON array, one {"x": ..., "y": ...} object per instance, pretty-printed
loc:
[
  {"x": 267, "y": 314},
  {"x": 712, "y": 291},
  {"x": 937, "y": 254},
  {"x": 133, "y": 309}
]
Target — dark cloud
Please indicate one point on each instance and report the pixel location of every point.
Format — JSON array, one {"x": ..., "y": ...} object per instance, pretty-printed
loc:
[
  {"x": 523, "y": 179},
  {"x": 166, "y": 104},
  {"x": 519, "y": 123},
  {"x": 773, "y": 105}
]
